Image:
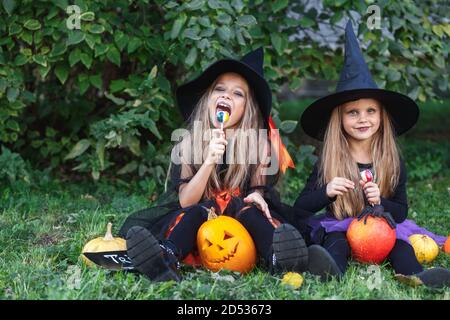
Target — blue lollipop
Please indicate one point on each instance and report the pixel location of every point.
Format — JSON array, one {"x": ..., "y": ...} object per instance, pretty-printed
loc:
[{"x": 222, "y": 117}]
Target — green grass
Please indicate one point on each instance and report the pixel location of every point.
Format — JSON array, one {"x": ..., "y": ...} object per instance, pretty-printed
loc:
[{"x": 43, "y": 229}]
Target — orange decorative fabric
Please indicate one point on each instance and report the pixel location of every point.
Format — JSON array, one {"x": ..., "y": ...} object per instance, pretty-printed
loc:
[
  {"x": 223, "y": 197},
  {"x": 284, "y": 159},
  {"x": 191, "y": 259},
  {"x": 174, "y": 224}
]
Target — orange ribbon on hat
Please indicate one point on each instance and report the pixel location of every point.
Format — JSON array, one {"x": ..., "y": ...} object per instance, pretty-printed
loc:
[{"x": 284, "y": 159}]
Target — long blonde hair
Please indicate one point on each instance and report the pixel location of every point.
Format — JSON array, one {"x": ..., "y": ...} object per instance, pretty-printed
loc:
[
  {"x": 237, "y": 174},
  {"x": 336, "y": 161}
]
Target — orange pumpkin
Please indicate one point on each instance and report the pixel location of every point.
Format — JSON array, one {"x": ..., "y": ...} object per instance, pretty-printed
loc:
[
  {"x": 224, "y": 243},
  {"x": 446, "y": 246},
  {"x": 371, "y": 242}
]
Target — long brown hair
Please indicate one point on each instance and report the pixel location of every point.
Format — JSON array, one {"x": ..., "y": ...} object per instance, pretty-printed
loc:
[
  {"x": 336, "y": 161},
  {"x": 237, "y": 174}
]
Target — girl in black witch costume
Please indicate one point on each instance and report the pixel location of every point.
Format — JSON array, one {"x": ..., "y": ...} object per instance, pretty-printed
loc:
[
  {"x": 158, "y": 238},
  {"x": 358, "y": 125}
]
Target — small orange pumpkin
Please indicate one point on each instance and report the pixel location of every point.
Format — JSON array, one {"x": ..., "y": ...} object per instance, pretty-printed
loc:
[
  {"x": 224, "y": 243},
  {"x": 446, "y": 246},
  {"x": 425, "y": 248}
]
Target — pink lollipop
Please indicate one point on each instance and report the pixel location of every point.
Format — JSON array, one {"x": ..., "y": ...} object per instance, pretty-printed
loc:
[{"x": 366, "y": 175}]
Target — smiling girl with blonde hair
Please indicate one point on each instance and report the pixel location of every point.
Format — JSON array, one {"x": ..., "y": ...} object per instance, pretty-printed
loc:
[
  {"x": 358, "y": 124},
  {"x": 216, "y": 172}
]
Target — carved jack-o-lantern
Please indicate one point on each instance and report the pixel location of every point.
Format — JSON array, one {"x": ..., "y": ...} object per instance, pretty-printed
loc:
[{"x": 224, "y": 243}]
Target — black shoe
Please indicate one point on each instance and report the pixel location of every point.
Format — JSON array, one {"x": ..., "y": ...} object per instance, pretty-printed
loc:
[
  {"x": 433, "y": 278},
  {"x": 289, "y": 250},
  {"x": 321, "y": 263},
  {"x": 150, "y": 257}
]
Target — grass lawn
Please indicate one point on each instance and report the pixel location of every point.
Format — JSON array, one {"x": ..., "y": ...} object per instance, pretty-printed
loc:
[{"x": 44, "y": 226}]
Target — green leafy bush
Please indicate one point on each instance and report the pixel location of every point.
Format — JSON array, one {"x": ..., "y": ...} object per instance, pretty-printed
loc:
[
  {"x": 12, "y": 167},
  {"x": 426, "y": 159},
  {"x": 99, "y": 99}
]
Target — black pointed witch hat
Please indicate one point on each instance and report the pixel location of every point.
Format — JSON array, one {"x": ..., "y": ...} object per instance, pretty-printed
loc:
[
  {"x": 250, "y": 67},
  {"x": 355, "y": 83}
]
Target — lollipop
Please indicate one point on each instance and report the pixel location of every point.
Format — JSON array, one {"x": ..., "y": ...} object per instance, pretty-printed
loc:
[
  {"x": 366, "y": 175},
  {"x": 222, "y": 117}
]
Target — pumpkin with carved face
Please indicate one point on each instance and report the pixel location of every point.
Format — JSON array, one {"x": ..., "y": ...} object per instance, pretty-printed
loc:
[{"x": 224, "y": 243}]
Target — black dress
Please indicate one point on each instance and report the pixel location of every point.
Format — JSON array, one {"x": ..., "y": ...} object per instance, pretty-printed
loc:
[
  {"x": 314, "y": 198},
  {"x": 161, "y": 218}
]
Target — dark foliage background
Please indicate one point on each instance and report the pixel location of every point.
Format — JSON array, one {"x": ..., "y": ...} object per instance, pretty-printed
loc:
[{"x": 99, "y": 100}]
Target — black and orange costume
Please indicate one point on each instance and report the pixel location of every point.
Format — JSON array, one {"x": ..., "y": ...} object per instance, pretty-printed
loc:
[
  {"x": 161, "y": 236},
  {"x": 179, "y": 225}
]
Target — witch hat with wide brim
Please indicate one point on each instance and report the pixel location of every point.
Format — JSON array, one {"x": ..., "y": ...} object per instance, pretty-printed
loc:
[
  {"x": 355, "y": 83},
  {"x": 250, "y": 67}
]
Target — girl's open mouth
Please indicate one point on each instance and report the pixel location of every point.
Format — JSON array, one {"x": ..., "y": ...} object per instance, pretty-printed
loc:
[
  {"x": 363, "y": 129},
  {"x": 222, "y": 106}
]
